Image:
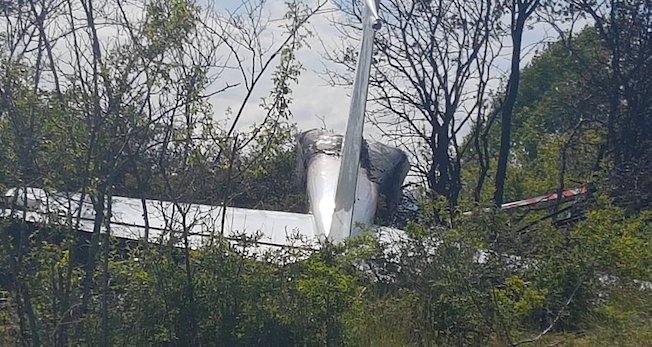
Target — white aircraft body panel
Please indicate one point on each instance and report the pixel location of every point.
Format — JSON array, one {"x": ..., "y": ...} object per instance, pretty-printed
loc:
[
  {"x": 166, "y": 219},
  {"x": 343, "y": 219},
  {"x": 321, "y": 190}
]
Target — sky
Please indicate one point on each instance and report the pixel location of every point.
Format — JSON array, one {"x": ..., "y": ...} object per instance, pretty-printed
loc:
[{"x": 317, "y": 104}]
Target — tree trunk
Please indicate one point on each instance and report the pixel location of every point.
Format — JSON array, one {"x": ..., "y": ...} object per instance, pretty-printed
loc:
[{"x": 508, "y": 109}]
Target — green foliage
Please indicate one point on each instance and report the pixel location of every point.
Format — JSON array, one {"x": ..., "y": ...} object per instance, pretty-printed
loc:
[
  {"x": 238, "y": 300},
  {"x": 429, "y": 289},
  {"x": 169, "y": 23},
  {"x": 620, "y": 244},
  {"x": 458, "y": 279},
  {"x": 564, "y": 119}
]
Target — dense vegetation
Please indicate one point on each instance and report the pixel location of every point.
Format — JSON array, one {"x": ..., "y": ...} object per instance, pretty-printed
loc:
[{"x": 132, "y": 117}]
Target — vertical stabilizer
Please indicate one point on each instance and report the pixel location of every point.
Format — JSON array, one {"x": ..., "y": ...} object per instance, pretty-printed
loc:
[{"x": 340, "y": 227}]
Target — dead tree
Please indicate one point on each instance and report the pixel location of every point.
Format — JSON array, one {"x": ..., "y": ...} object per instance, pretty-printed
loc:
[{"x": 430, "y": 59}]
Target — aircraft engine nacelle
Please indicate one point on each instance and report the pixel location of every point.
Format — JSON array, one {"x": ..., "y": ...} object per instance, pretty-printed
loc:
[{"x": 380, "y": 177}]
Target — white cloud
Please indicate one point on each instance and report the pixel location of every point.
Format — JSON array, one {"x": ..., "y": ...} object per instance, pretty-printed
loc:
[
  {"x": 315, "y": 103},
  {"x": 313, "y": 99}
]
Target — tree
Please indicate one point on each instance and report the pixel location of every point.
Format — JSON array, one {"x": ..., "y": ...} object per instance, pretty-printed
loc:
[
  {"x": 623, "y": 28},
  {"x": 134, "y": 106},
  {"x": 557, "y": 110},
  {"x": 131, "y": 116},
  {"x": 520, "y": 12},
  {"x": 431, "y": 68}
]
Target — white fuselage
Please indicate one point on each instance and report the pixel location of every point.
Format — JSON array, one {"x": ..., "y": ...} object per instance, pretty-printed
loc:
[{"x": 322, "y": 175}]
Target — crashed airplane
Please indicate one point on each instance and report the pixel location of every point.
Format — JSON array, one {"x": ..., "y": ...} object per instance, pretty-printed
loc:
[{"x": 343, "y": 176}]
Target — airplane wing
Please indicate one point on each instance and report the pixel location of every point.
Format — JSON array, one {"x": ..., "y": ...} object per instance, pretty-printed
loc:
[{"x": 165, "y": 220}]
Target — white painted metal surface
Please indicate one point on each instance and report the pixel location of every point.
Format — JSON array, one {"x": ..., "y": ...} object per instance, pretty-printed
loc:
[
  {"x": 166, "y": 220},
  {"x": 321, "y": 186},
  {"x": 347, "y": 178}
]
